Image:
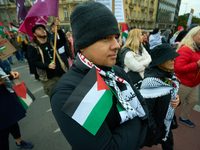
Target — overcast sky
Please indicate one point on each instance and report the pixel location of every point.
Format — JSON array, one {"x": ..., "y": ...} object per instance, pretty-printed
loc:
[{"x": 186, "y": 6}]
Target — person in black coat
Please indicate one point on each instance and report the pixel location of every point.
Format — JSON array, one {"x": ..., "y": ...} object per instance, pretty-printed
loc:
[
  {"x": 11, "y": 111},
  {"x": 145, "y": 42},
  {"x": 160, "y": 88},
  {"x": 116, "y": 120}
]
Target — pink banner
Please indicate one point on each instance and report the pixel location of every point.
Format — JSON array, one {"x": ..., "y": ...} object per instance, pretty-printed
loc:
[{"x": 38, "y": 14}]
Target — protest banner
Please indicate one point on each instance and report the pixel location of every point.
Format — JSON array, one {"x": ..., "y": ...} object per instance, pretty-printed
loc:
[
  {"x": 190, "y": 17},
  {"x": 6, "y": 49},
  {"x": 117, "y": 7},
  {"x": 21, "y": 11}
]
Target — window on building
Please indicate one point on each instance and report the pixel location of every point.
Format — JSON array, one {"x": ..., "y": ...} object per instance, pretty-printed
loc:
[
  {"x": 65, "y": 13},
  {"x": 4, "y": 15},
  {"x": 134, "y": 14},
  {"x": 145, "y": 16},
  {"x": 143, "y": 3},
  {"x": 130, "y": 12},
  {"x": 147, "y": 3},
  {"x": 135, "y": 1},
  {"x": 8, "y": 1},
  {"x": 12, "y": 16},
  {"x": 142, "y": 15},
  {"x": 126, "y": 13},
  {"x": 138, "y": 14},
  {"x": 139, "y": 2},
  {"x": 2, "y": 2}
]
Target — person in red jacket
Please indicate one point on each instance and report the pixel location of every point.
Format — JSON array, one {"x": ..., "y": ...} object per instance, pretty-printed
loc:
[{"x": 187, "y": 68}]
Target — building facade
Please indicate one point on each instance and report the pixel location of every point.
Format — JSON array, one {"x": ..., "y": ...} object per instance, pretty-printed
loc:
[
  {"x": 139, "y": 13},
  {"x": 167, "y": 14}
]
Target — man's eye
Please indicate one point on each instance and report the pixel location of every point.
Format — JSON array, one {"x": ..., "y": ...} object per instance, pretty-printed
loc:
[{"x": 106, "y": 38}]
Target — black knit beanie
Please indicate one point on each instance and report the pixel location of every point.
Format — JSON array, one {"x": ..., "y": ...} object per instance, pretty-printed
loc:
[{"x": 91, "y": 21}]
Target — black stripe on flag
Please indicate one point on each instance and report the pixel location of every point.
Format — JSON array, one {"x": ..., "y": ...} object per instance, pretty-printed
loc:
[{"x": 80, "y": 91}]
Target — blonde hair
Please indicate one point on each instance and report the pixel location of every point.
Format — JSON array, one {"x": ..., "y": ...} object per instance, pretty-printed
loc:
[
  {"x": 133, "y": 41},
  {"x": 188, "y": 39}
]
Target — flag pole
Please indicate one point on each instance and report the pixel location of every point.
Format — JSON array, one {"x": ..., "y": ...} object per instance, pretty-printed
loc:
[
  {"x": 30, "y": 2},
  {"x": 55, "y": 42}
]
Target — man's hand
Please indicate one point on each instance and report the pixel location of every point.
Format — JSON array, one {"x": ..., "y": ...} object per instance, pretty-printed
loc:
[
  {"x": 15, "y": 75},
  {"x": 174, "y": 103},
  {"x": 2, "y": 81},
  {"x": 52, "y": 65},
  {"x": 57, "y": 23}
]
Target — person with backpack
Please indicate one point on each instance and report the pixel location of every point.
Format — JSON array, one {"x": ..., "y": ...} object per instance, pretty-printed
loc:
[{"x": 40, "y": 54}]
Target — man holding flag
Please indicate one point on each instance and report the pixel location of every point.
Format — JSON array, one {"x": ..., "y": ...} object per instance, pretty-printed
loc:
[
  {"x": 95, "y": 104},
  {"x": 40, "y": 54}
]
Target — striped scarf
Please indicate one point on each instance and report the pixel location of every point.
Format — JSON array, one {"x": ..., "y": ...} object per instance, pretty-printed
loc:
[{"x": 127, "y": 98}]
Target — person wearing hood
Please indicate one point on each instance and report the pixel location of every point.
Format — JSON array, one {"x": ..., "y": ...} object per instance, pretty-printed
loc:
[
  {"x": 95, "y": 104},
  {"x": 168, "y": 35},
  {"x": 192, "y": 26},
  {"x": 156, "y": 39},
  {"x": 135, "y": 58},
  {"x": 187, "y": 67},
  {"x": 160, "y": 88}
]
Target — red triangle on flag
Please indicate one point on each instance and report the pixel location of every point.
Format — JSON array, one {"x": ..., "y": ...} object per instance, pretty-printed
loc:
[
  {"x": 20, "y": 90},
  {"x": 101, "y": 85}
]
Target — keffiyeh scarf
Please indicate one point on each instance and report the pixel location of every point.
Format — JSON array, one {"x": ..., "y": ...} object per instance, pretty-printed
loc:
[
  {"x": 127, "y": 98},
  {"x": 153, "y": 87}
]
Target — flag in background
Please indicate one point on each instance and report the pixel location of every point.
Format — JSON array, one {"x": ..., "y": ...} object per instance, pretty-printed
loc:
[
  {"x": 13, "y": 27},
  {"x": 2, "y": 30},
  {"x": 90, "y": 102},
  {"x": 21, "y": 11},
  {"x": 2, "y": 48},
  {"x": 125, "y": 29},
  {"x": 24, "y": 95},
  {"x": 38, "y": 14}
]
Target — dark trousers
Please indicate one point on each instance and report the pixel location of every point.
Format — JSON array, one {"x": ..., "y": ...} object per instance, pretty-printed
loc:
[
  {"x": 4, "y": 134},
  {"x": 169, "y": 144}
]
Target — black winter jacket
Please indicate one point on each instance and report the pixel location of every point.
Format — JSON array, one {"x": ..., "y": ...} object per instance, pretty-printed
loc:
[
  {"x": 157, "y": 110},
  {"x": 36, "y": 59},
  {"x": 112, "y": 135}
]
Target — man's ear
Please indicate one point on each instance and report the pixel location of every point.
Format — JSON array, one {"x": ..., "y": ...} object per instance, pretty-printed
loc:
[{"x": 34, "y": 34}]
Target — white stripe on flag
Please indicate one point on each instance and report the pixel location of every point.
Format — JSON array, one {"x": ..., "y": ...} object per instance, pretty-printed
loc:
[
  {"x": 87, "y": 104},
  {"x": 28, "y": 100}
]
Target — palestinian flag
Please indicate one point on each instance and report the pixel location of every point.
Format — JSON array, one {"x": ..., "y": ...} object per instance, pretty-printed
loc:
[
  {"x": 24, "y": 95},
  {"x": 13, "y": 27},
  {"x": 2, "y": 48},
  {"x": 2, "y": 30},
  {"x": 90, "y": 102},
  {"x": 125, "y": 31}
]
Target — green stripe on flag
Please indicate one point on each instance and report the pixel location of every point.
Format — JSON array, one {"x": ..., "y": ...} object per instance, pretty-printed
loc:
[
  {"x": 99, "y": 113},
  {"x": 119, "y": 106},
  {"x": 23, "y": 103},
  {"x": 2, "y": 48}
]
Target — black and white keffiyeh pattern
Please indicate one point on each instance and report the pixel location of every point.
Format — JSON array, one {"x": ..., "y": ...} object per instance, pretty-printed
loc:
[
  {"x": 127, "y": 98},
  {"x": 154, "y": 87}
]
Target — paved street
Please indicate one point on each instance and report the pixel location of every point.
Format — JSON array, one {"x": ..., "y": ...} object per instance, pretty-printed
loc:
[{"x": 40, "y": 127}]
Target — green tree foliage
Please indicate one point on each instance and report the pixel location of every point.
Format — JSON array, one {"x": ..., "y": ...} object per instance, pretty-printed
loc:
[{"x": 182, "y": 20}]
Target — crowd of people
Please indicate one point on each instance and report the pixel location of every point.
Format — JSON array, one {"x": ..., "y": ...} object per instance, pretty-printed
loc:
[{"x": 96, "y": 103}]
